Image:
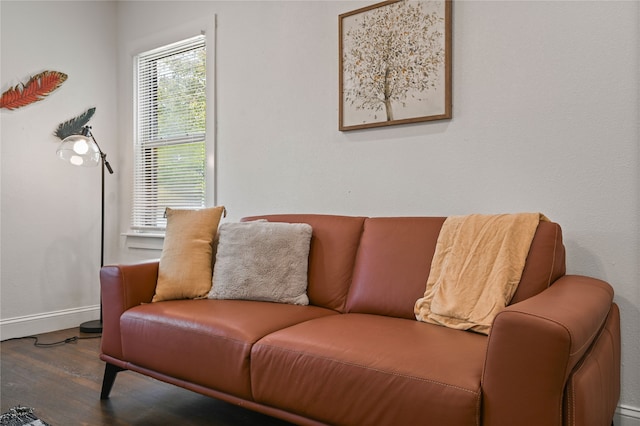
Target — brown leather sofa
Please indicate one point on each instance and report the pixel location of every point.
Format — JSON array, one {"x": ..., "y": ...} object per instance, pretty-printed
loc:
[{"x": 357, "y": 356}]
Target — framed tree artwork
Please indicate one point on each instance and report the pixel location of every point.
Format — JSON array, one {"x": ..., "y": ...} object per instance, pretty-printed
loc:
[{"x": 395, "y": 64}]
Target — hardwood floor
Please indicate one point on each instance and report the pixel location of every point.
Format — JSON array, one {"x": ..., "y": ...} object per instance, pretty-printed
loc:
[{"x": 62, "y": 383}]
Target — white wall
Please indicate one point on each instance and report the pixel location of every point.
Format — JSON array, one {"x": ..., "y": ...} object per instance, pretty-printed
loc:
[
  {"x": 545, "y": 118},
  {"x": 50, "y": 210}
]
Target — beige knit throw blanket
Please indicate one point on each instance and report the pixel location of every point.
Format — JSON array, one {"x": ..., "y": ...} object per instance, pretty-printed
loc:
[{"x": 476, "y": 269}]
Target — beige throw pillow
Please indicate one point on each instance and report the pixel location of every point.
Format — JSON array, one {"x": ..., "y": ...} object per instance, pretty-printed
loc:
[
  {"x": 265, "y": 261},
  {"x": 187, "y": 254}
]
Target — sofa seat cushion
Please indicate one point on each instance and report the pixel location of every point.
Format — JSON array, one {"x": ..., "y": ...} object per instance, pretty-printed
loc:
[
  {"x": 368, "y": 369},
  {"x": 206, "y": 342}
]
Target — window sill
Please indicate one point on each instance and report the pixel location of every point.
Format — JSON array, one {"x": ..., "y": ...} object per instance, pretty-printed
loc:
[{"x": 144, "y": 240}]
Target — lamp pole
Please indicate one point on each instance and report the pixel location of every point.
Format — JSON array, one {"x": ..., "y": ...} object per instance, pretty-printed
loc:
[{"x": 95, "y": 326}]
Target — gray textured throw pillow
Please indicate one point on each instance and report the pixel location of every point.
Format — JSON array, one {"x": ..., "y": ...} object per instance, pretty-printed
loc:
[{"x": 264, "y": 261}]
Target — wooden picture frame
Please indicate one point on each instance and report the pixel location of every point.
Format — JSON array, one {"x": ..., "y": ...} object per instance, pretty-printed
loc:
[{"x": 395, "y": 64}]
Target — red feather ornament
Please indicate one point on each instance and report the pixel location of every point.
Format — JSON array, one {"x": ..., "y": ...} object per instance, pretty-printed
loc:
[{"x": 38, "y": 86}]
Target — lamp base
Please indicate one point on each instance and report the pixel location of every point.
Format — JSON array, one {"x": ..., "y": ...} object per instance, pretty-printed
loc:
[{"x": 94, "y": 326}]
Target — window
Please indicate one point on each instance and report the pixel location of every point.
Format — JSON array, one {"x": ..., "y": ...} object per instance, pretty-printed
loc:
[{"x": 170, "y": 119}]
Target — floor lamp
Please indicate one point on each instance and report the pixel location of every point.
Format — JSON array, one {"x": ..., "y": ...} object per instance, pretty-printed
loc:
[{"x": 83, "y": 150}]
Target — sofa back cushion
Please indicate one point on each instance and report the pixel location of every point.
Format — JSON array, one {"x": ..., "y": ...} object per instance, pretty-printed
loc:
[
  {"x": 394, "y": 259},
  {"x": 393, "y": 265},
  {"x": 545, "y": 262},
  {"x": 334, "y": 243}
]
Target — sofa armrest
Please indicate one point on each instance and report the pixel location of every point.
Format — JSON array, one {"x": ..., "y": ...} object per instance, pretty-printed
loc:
[
  {"x": 123, "y": 287},
  {"x": 533, "y": 347}
]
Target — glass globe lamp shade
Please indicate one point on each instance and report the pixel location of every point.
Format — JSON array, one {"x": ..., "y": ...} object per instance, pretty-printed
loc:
[{"x": 79, "y": 150}]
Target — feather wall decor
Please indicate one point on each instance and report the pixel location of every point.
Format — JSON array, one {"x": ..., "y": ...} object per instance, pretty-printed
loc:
[
  {"x": 75, "y": 125},
  {"x": 36, "y": 89}
]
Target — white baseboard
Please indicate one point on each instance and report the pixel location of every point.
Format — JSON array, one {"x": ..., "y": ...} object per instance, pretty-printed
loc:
[
  {"x": 627, "y": 416},
  {"x": 49, "y": 321}
]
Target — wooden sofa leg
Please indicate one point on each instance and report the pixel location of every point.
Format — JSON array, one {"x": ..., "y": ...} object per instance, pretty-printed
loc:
[{"x": 110, "y": 372}]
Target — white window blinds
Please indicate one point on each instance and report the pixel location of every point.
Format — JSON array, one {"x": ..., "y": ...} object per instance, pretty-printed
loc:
[{"x": 169, "y": 167}]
